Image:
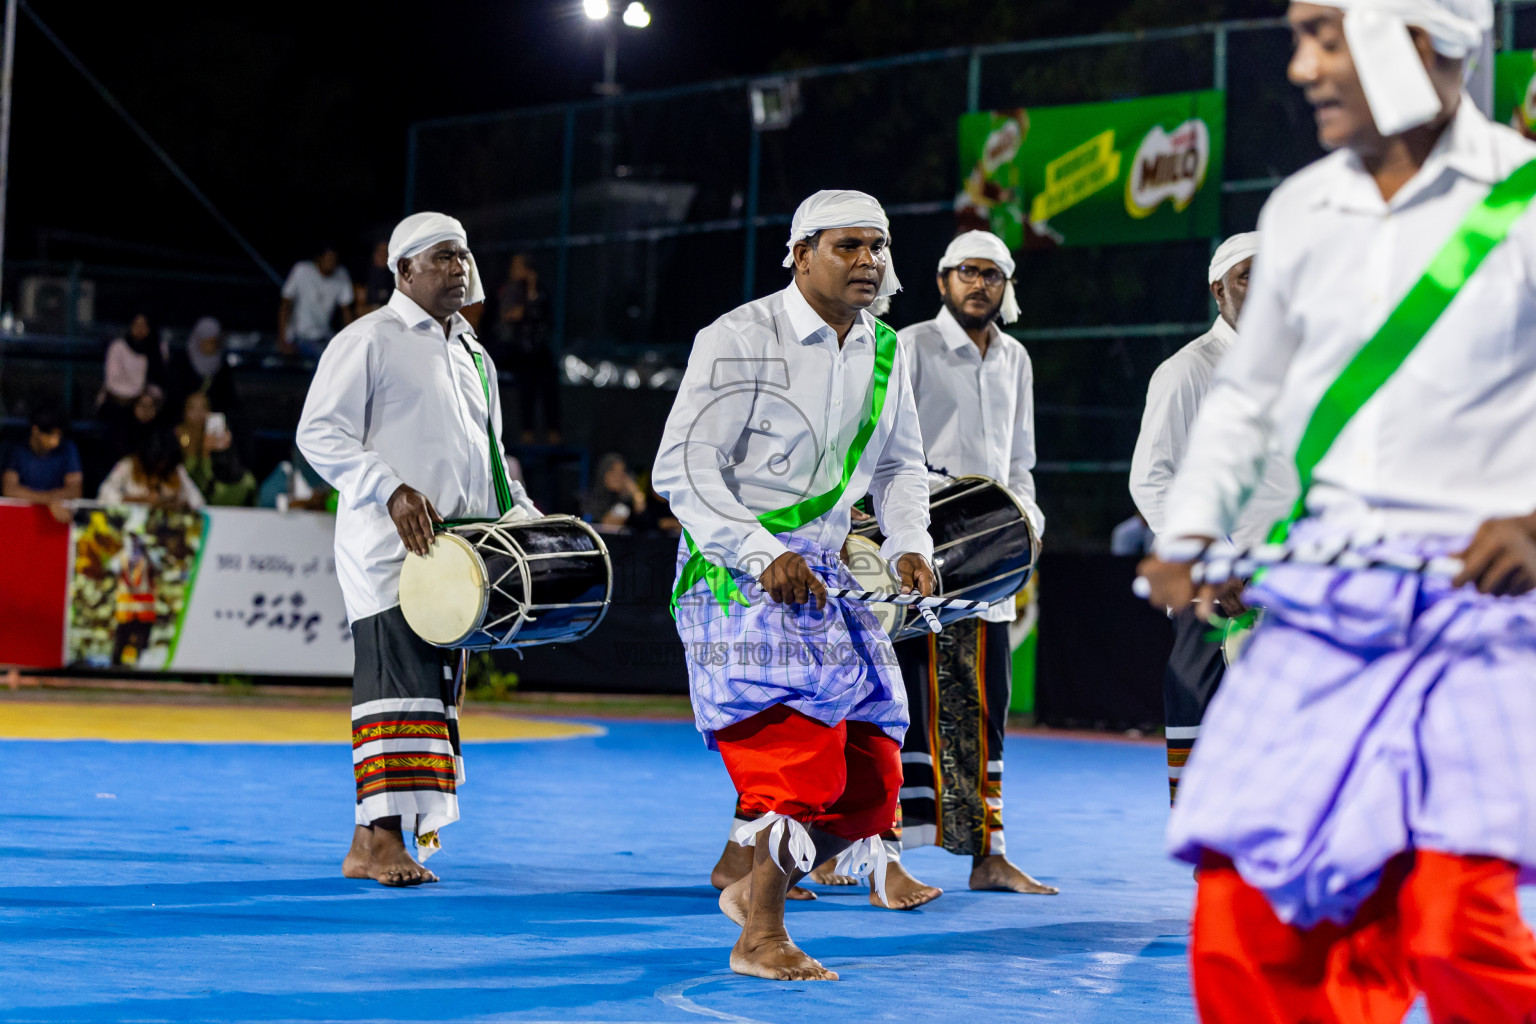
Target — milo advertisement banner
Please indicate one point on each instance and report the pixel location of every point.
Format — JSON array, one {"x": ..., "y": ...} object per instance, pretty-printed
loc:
[
  {"x": 1143, "y": 170},
  {"x": 1514, "y": 103}
]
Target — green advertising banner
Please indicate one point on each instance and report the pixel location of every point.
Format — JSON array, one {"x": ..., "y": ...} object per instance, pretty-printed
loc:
[
  {"x": 1143, "y": 170},
  {"x": 1513, "y": 103}
]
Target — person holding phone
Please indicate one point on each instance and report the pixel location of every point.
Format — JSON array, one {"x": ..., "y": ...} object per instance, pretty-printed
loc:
[{"x": 208, "y": 452}]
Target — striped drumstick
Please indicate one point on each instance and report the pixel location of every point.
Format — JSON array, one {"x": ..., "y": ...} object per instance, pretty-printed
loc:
[
  {"x": 1217, "y": 567},
  {"x": 883, "y": 597}
]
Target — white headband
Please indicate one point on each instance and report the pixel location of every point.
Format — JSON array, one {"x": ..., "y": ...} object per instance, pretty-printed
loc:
[
  {"x": 984, "y": 245},
  {"x": 1394, "y": 80},
  {"x": 420, "y": 232},
  {"x": 1232, "y": 252},
  {"x": 834, "y": 208}
]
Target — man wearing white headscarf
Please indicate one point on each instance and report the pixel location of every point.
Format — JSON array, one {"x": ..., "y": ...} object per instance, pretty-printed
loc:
[
  {"x": 1178, "y": 386},
  {"x": 403, "y": 419},
  {"x": 974, "y": 389},
  {"x": 1362, "y": 802},
  {"x": 793, "y": 407}
]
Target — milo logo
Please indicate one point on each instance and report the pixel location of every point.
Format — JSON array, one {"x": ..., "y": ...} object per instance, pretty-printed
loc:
[{"x": 1168, "y": 166}]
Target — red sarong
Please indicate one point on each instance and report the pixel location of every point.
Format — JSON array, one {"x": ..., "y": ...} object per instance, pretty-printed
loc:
[
  {"x": 1443, "y": 925},
  {"x": 841, "y": 778}
]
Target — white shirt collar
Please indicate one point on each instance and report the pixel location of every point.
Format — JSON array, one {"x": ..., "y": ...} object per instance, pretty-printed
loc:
[
  {"x": 807, "y": 323},
  {"x": 1223, "y": 330},
  {"x": 1465, "y": 147},
  {"x": 954, "y": 335},
  {"x": 414, "y": 316}
]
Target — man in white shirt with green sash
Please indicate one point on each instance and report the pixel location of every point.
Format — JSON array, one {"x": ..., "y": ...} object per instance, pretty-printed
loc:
[
  {"x": 793, "y": 406},
  {"x": 1363, "y": 799}
]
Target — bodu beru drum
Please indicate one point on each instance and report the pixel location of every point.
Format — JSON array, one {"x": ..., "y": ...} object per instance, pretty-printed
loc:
[
  {"x": 508, "y": 583},
  {"x": 983, "y": 550}
]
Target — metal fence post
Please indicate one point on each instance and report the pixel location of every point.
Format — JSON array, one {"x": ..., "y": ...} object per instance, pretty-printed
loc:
[
  {"x": 562, "y": 261},
  {"x": 410, "y": 171},
  {"x": 973, "y": 82},
  {"x": 749, "y": 211},
  {"x": 1219, "y": 82},
  {"x": 1507, "y": 25}
]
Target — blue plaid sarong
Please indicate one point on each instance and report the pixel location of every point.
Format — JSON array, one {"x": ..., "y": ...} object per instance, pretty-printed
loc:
[
  {"x": 831, "y": 665},
  {"x": 1372, "y": 712}
]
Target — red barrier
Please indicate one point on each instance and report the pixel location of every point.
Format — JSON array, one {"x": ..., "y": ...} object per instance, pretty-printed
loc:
[{"x": 35, "y": 586}]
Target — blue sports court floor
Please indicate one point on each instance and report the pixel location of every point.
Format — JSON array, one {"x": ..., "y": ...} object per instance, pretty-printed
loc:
[{"x": 179, "y": 881}]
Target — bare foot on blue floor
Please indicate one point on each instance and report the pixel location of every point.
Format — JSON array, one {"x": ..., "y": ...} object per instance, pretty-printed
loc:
[
  {"x": 735, "y": 863},
  {"x": 380, "y": 854},
  {"x": 995, "y": 873},
  {"x": 773, "y": 955},
  {"x": 826, "y": 874},
  {"x": 906, "y": 892}
]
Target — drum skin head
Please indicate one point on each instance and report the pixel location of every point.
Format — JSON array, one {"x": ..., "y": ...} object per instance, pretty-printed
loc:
[
  {"x": 443, "y": 595},
  {"x": 870, "y": 569}
]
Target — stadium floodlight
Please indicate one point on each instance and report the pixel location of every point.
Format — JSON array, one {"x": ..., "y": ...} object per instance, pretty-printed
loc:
[
  {"x": 636, "y": 16},
  {"x": 597, "y": 10}
]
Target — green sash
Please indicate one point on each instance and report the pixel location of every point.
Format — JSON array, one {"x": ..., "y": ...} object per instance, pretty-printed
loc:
[
  {"x": 498, "y": 471},
  {"x": 721, "y": 583},
  {"x": 1484, "y": 227}
]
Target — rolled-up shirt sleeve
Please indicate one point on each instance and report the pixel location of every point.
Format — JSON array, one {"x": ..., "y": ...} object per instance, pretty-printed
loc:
[
  {"x": 702, "y": 431},
  {"x": 900, "y": 482},
  {"x": 1231, "y": 438},
  {"x": 333, "y": 425}
]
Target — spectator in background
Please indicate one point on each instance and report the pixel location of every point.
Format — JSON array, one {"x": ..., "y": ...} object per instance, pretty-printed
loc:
[
  {"x": 45, "y": 470},
  {"x": 522, "y": 334},
  {"x": 203, "y": 366},
  {"x": 314, "y": 291},
  {"x": 208, "y": 453},
  {"x": 135, "y": 362},
  {"x": 379, "y": 285},
  {"x": 152, "y": 475},
  {"x": 295, "y": 484},
  {"x": 614, "y": 497},
  {"x": 144, "y": 416}
]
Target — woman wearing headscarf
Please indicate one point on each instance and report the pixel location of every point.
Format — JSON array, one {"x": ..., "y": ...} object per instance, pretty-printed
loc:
[
  {"x": 203, "y": 366},
  {"x": 134, "y": 362}
]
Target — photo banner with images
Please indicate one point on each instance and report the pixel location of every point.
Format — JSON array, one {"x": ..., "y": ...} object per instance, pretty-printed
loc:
[
  {"x": 227, "y": 590},
  {"x": 1142, "y": 170}
]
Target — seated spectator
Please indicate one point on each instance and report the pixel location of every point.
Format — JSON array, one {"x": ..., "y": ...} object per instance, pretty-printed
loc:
[
  {"x": 152, "y": 475},
  {"x": 134, "y": 362},
  {"x": 314, "y": 291},
  {"x": 204, "y": 366},
  {"x": 208, "y": 453},
  {"x": 295, "y": 480},
  {"x": 614, "y": 497},
  {"x": 45, "y": 470},
  {"x": 657, "y": 516},
  {"x": 144, "y": 416}
]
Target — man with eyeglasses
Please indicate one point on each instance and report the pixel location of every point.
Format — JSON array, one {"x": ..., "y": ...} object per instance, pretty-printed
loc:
[
  {"x": 1178, "y": 386},
  {"x": 974, "y": 388}
]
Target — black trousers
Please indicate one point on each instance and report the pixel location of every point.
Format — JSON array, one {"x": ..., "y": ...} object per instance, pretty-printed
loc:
[
  {"x": 959, "y": 683},
  {"x": 1190, "y": 681}
]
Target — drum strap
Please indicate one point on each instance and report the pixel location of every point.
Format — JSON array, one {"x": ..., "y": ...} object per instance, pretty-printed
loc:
[
  {"x": 1484, "y": 227},
  {"x": 498, "y": 471},
  {"x": 721, "y": 583}
]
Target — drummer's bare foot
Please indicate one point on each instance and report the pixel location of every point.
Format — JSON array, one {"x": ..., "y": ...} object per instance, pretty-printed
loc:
[
  {"x": 772, "y": 954},
  {"x": 379, "y": 853},
  {"x": 906, "y": 892},
  {"x": 765, "y": 949},
  {"x": 735, "y": 863},
  {"x": 826, "y": 874},
  {"x": 995, "y": 873}
]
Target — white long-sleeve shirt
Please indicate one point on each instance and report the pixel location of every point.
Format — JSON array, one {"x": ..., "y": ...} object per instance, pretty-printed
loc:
[
  {"x": 977, "y": 412},
  {"x": 395, "y": 402},
  {"x": 1174, "y": 394},
  {"x": 1450, "y": 439},
  {"x": 763, "y": 419}
]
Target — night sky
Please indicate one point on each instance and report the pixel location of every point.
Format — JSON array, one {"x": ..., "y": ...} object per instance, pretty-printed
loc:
[{"x": 292, "y": 116}]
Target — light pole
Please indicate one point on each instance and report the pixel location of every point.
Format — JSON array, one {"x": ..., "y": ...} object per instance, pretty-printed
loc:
[{"x": 635, "y": 16}]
